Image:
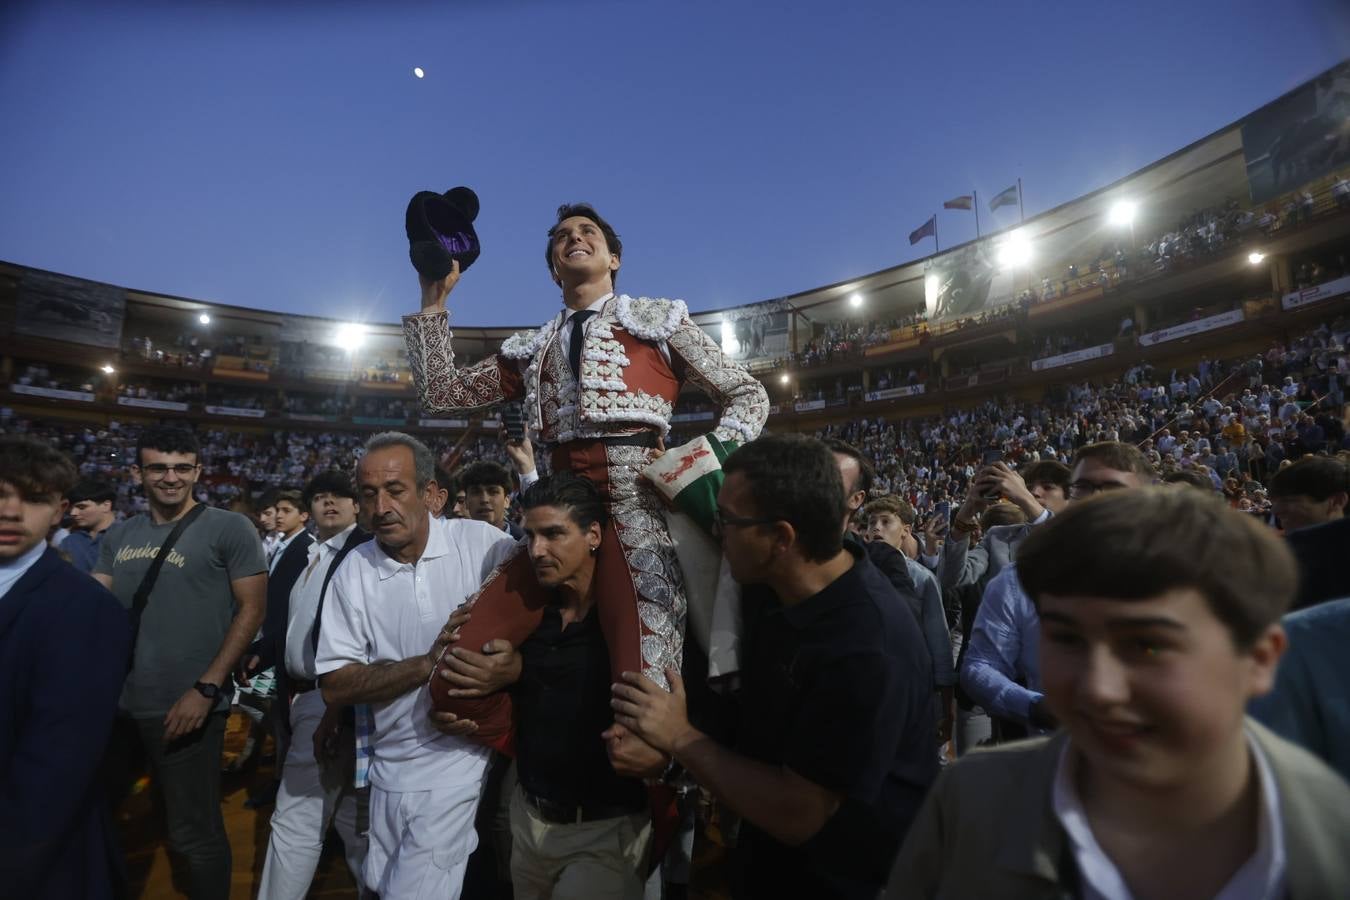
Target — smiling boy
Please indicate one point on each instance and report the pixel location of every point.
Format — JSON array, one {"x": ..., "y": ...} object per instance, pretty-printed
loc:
[{"x": 1159, "y": 617}]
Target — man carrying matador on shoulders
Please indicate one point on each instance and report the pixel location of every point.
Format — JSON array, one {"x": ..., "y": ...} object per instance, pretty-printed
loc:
[{"x": 598, "y": 382}]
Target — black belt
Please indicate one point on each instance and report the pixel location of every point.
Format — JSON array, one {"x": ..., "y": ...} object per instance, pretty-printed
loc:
[
  {"x": 573, "y": 814},
  {"x": 301, "y": 686},
  {"x": 648, "y": 439}
]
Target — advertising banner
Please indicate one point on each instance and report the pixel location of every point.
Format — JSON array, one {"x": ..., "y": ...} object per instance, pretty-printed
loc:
[
  {"x": 236, "y": 411},
  {"x": 172, "y": 405},
  {"x": 908, "y": 390},
  {"x": 1324, "y": 291},
  {"x": 1077, "y": 356},
  {"x": 52, "y": 393},
  {"x": 1186, "y": 329}
]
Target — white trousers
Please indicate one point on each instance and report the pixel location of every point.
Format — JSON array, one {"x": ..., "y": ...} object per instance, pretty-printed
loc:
[
  {"x": 420, "y": 842},
  {"x": 311, "y": 796}
]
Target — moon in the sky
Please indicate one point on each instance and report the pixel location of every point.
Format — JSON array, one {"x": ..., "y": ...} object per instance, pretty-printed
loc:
[{"x": 417, "y": 70}]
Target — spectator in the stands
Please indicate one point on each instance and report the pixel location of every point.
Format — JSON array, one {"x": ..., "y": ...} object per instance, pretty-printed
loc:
[
  {"x": 92, "y": 514},
  {"x": 487, "y": 494},
  {"x": 1001, "y": 672},
  {"x": 439, "y": 494},
  {"x": 1310, "y": 704},
  {"x": 1159, "y": 615},
  {"x": 890, "y": 520},
  {"x": 1040, "y": 491},
  {"x": 1310, "y": 492}
]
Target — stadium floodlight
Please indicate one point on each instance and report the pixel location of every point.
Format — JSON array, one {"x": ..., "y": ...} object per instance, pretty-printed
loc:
[
  {"x": 1255, "y": 257},
  {"x": 729, "y": 342},
  {"x": 350, "y": 336},
  {"x": 1015, "y": 250},
  {"x": 204, "y": 319},
  {"x": 1122, "y": 213},
  {"x": 783, "y": 379},
  {"x": 855, "y": 300},
  {"x": 107, "y": 369},
  {"x": 931, "y": 285}
]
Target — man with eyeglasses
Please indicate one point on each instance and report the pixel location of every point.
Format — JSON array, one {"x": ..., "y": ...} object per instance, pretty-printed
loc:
[
  {"x": 1001, "y": 670},
  {"x": 833, "y": 747},
  {"x": 205, "y": 607}
]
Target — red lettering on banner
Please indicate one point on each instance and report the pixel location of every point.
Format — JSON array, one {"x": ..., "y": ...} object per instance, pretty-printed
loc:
[{"x": 686, "y": 463}]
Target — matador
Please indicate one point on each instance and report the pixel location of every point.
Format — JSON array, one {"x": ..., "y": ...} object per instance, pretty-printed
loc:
[{"x": 598, "y": 383}]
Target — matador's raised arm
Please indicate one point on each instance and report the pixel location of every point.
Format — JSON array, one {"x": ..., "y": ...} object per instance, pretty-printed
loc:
[{"x": 441, "y": 387}]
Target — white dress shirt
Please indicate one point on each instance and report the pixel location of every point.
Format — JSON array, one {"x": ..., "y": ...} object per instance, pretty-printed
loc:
[
  {"x": 1261, "y": 877},
  {"x": 305, "y": 603},
  {"x": 269, "y": 542},
  {"x": 569, "y": 325},
  {"x": 381, "y": 610},
  {"x": 11, "y": 572},
  {"x": 280, "y": 548}
]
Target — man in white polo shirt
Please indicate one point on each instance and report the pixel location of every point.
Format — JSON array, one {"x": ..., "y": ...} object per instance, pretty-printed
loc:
[{"x": 379, "y": 638}]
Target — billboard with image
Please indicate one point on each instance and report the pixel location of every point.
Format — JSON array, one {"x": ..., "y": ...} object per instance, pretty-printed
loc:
[
  {"x": 70, "y": 309},
  {"x": 967, "y": 281},
  {"x": 1299, "y": 138},
  {"x": 753, "y": 332}
]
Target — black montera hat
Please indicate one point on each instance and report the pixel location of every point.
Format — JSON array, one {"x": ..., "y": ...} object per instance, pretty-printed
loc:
[{"x": 440, "y": 230}]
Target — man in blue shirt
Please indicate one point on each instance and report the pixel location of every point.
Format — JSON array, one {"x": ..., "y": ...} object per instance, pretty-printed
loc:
[
  {"x": 1311, "y": 701},
  {"x": 1001, "y": 671},
  {"x": 91, "y": 510}
]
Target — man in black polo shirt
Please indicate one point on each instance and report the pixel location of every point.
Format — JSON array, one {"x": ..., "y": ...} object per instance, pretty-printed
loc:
[
  {"x": 834, "y": 743},
  {"x": 578, "y": 829}
]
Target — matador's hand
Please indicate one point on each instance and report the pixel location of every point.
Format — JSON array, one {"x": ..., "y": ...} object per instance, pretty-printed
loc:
[{"x": 435, "y": 292}]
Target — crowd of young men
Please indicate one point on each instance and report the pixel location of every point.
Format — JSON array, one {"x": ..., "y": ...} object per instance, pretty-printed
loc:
[
  {"x": 1131, "y": 624},
  {"x": 1111, "y": 631}
]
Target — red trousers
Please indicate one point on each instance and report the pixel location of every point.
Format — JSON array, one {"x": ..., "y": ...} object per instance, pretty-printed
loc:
[{"x": 643, "y": 623}]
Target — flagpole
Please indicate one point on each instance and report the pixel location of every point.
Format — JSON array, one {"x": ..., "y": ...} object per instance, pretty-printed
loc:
[
  {"x": 936, "y": 248},
  {"x": 975, "y": 201},
  {"x": 1022, "y": 216}
]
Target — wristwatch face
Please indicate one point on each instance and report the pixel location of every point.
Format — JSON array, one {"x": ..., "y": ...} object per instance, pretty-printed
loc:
[{"x": 209, "y": 691}]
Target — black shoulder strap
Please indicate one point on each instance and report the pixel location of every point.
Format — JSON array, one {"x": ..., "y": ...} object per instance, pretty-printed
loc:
[
  {"x": 142, "y": 596},
  {"x": 358, "y": 537}
]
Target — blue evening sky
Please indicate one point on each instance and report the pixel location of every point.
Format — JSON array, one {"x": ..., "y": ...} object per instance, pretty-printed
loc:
[{"x": 262, "y": 154}]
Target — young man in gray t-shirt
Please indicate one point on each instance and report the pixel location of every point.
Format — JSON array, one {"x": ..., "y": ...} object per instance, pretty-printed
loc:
[{"x": 205, "y": 608}]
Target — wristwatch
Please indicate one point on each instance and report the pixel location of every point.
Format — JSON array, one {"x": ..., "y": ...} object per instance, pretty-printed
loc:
[
  {"x": 960, "y": 524},
  {"x": 207, "y": 690}
]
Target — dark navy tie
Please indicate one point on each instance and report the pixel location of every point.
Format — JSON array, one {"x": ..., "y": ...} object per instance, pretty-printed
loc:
[{"x": 578, "y": 336}]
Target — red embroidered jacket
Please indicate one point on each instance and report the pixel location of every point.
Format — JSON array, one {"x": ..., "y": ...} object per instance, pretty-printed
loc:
[{"x": 636, "y": 355}]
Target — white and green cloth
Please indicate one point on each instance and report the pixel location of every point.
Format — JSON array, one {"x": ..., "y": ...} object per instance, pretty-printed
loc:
[{"x": 689, "y": 476}]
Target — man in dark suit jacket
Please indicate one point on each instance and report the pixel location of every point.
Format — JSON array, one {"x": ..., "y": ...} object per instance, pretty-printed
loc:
[
  {"x": 286, "y": 568},
  {"x": 1320, "y": 551},
  {"x": 64, "y": 645},
  {"x": 269, "y": 651}
]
